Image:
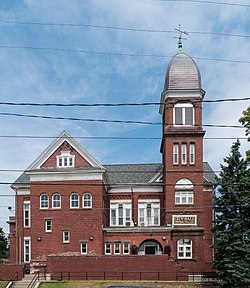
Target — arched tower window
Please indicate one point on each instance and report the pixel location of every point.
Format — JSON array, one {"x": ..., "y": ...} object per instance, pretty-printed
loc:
[
  {"x": 44, "y": 201},
  {"x": 74, "y": 200},
  {"x": 184, "y": 192},
  {"x": 56, "y": 200}
]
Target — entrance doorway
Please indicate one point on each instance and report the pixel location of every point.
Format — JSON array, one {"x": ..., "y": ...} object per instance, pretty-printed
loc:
[{"x": 150, "y": 247}]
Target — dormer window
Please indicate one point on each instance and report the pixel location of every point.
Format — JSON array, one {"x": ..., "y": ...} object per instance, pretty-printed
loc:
[
  {"x": 65, "y": 160},
  {"x": 184, "y": 114}
]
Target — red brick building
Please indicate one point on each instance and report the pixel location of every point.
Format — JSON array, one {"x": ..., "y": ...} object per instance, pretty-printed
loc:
[{"x": 68, "y": 204}]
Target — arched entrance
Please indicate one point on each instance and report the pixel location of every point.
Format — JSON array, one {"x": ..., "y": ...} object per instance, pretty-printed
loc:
[{"x": 150, "y": 247}]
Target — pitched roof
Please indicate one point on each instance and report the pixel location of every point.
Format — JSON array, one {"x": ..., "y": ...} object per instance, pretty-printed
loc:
[{"x": 131, "y": 174}]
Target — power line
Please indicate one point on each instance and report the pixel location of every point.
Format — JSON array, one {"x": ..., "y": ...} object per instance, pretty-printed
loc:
[
  {"x": 119, "y": 28},
  {"x": 115, "y": 104},
  {"x": 115, "y": 53},
  {"x": 107, "y": 120},
  {"x": 111, "y": 137},
  {"x": 207, "y": 2}
]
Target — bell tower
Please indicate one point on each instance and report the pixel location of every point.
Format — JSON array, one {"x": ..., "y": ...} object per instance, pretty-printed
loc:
[{"x": 182, "y": 142}]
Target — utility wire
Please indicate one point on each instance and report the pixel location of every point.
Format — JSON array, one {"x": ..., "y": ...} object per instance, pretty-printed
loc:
[
  {"x": 115, "y": 54},
  {"x": 207, "y": 2},
  {"x": 119, "y": 28},
  {"x": 116, "y": 104},
  {"x": 110, "y": 137},
  {"x": 107, "y": 120}
]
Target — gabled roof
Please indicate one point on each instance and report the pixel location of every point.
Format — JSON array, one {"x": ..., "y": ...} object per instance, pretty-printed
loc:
[{"x": 64, "y": 136}]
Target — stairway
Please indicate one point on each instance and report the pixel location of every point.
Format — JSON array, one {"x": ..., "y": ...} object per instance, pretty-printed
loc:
[{"x": 24, "y": 283}]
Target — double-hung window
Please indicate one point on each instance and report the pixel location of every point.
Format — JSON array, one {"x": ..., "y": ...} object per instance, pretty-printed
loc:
[
  {"x": 184, "y": 114},
  {"x": 44, "y": 201},
  {"x": 126, "y": 248},
  {"x": 120, "y": 214},
  {"x": 184, "y": 154},
  {"x": 27, "y": 249},
  {"x": 84, "y": 248},
  {"x": 26, "y": 214},
  {"x": 117, "y": 248},
  {"x": 56, "y": 200},
  {"x": 192, "y": 153},
  {"x": 87, "y": 200},
  {"x": 48, "y": 225},
  {"x": 176, "y": 153},
  {"x": 108, "y": 248},
  {"x": 74, "y": 200},
  {"x": 184, "y": 249},
  {"x": 149, "y": 213},
  {"x": 66, "y": 236}
]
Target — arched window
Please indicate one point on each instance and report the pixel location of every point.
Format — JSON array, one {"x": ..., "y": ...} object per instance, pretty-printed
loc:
[
  {"x": 44, "y": 201},
  {"x": 184, "y": 193},
  {"x": 150, "y": 247},
  {"x": 87, "y": 200},
  {"x": 184, "y": 249},
  {"x": 56, "y": 200},
  {"x": 74, "y": 200}
]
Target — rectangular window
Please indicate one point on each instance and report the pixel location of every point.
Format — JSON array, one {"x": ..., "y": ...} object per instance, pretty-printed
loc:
[
  {"x": 176, "y": 154},
  {"x": 126, "y": 248},
  {"x": 184, "y": 154},
  {"x": 84, "y": 248},
  {"x": 27, "y": 249},
  {"x": 184, "y": 247},
  {"x": 66, "y": 236},
  {"x": 184, "y": 197},
  {"x": 120, "y": 214},
  {"x": 48, "y": 225},
  {"x": 117, "y": 248},
  {"x": 26, "y": 214},
  {"x": 65, "y": 159},
  {"x": 149, "y": 213},
  {"x": 184, "y": 114},
  {"x": 192, "y": 153},
  {"x": 108, "y": 248}
]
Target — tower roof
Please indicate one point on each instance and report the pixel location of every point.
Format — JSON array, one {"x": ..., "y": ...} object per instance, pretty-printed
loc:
[{"x": 182, "y": 73}]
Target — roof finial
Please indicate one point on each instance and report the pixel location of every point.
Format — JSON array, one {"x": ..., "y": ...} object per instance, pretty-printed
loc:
[{"x": 180, "y": 37}]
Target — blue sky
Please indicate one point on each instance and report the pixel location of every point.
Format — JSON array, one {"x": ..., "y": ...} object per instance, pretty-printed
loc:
[{"x": 74, "y": 76}]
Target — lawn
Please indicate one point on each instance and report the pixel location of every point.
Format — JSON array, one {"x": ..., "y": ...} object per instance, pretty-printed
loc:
[
  {"x": 105, "y": 284},
  {"x": 3, "y": 284}
]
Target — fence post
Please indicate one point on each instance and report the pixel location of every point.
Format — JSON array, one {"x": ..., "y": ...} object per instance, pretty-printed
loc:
[
  {"x": 86, "y": 275},
  {"x": 104, "y": 276},
  {"x": 122, "y": 275}
]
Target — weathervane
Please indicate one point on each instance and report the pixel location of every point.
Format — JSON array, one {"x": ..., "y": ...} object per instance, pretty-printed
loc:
[{"x": 180, "y": 37}]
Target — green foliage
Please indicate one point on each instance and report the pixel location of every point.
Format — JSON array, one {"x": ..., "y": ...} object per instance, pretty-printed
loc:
[
  {"x": 232, "y": 223},
  {"x": 4, "y": 250},
  {"x": 245, "y": 121}
]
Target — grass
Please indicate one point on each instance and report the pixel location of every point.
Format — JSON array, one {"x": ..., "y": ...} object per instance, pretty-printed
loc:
[
  {"x": 3, "y": 284},
  {"x": 105, "y": 284}
]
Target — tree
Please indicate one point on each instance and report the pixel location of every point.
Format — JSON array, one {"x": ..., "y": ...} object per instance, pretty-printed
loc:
[
  {"x": 245, "y": 121},
  {"x": 232, "y": 221},
  {"x": 4, "y": 251}
]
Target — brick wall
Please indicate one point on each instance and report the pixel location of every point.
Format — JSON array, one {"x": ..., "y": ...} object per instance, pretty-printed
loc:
[{"x": 7, "y": 272}]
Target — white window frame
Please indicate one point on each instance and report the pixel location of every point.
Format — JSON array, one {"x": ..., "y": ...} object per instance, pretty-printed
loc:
[
  {"x": 149, "y": 213},
  {"x": 26, "y": 249},
  {"x": 66, "y": 236},
  {"x": 84, "y": 201},
  {"x": 192, "y": 153},
  {"x": 108, "y": 246},
  {"x": 184, "y": 249},
  {"x": 120, "y": 214},
  {"x": 183, "y": 107},
  {"x": 85, "y": 246},
  {"x": 56, "y": 201},
  {"x": 184, "y": 197},
  {"x": 65, "y": 160},
  {"x": 126, "y": 248},
  {"x": 44, "y": 203},
  {"x": 26, "y": 214},
  {"x": 74, "y": 201},
  {"x": 183, "y": 153},
  {"x": 48, "y": 225},
  {"x": 117, "y": 248},
  {"x": 176, "y": 153}
]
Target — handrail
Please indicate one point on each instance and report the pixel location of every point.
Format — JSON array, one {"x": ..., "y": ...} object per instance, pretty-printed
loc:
[
  {"x": 33, "y": 281},
  {"x": 14, "y": 277}
]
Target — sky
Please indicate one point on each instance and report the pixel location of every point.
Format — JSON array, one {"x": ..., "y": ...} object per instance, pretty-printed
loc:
[{"x": 114, "y": 51}]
